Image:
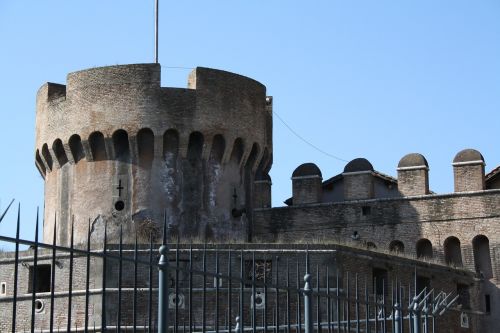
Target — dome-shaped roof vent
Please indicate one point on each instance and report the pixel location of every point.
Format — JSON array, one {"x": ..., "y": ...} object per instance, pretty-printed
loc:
[
  {"x": 468, "y": 155},
  {"x": 413, "y": 160},
  {"x": 307, "y": 169},
  {"x": 358, "y": 164}
]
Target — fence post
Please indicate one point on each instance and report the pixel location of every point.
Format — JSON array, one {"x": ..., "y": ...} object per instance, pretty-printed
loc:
[
  {"x": 397, "y": 319},
  {"x": 417, "y": 327},
  {"x": 163, "y": 290},
  {"x": 308, "y": 321}
]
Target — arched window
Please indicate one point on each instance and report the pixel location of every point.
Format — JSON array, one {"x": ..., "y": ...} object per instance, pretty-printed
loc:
[
  {"x": 237, "y": 152},
  {"x": 195, "y": 147},
  {"x": 58, "y": 149},
  {"x": 97, "y": 146},
  {"x": 39, "y": 163},
  {"x": 263, "y": 164},
  {"x": 218, "y": 147},
  {"x": 452, "y": 252},
  {"x": 482, "y": 258},
  {"x": 121, "y": 146},
  {"x": 46, "y": 155},
  {"x": 170, "y": 144},
  {"x": 146, "y": 147},
  {"x": 76, "y": 147},
  {"x": 397, "y": 246},
  {"x": 253, "y": 156},
  {"x": 424, "y": 248}
]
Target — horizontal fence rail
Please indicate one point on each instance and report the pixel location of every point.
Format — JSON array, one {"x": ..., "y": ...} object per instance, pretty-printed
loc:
[{"x": 180, "y": 288}]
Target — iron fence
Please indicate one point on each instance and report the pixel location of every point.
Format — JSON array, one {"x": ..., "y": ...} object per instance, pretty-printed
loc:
[{"x": 199, "y": 288}]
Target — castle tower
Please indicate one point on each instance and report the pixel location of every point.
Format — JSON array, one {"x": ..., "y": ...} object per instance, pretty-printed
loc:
[{"x": 117, "y": 148}]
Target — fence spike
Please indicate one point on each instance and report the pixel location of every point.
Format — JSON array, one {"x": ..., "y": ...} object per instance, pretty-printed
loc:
[
  {"x": 33, "y": 280},
  {"x": 7, "y": 209}
]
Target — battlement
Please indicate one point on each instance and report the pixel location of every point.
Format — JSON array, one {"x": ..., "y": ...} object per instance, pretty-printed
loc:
[
  {"x": 360, "y": 181},
  {"x": 82, "y": 119}
]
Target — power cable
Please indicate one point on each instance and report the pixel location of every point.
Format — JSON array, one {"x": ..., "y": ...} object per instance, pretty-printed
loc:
[{"x": 307, "y": 142}]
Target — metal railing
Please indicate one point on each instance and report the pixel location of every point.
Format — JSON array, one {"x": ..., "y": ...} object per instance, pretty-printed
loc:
[{"x": 201, "y": 289}]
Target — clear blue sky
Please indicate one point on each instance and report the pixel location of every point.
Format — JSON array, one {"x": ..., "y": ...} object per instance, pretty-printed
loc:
[{"x": 373, "y": 79}]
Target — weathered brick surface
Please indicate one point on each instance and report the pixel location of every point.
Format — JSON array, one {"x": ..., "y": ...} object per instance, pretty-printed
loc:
[{"x": 197, "y": 172}]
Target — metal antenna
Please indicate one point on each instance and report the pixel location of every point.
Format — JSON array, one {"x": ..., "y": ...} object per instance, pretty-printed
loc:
[{"x": 156, "y": 30}]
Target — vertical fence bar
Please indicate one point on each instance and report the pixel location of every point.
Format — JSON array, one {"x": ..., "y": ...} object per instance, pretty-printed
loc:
[
  {"x": 134, "y": 297},
  {"x": 254, "y": 310},
  {"x": 216, "y": 290},
  {"x": 265, "y": 295},
  {"x": 288, "y": 299},
  {"x": 277, "y": 296},
  {"x": 384, "y": 320},
  {"x": 87, "y": 283},
  {"x": 348, "y": 304},
  {"x": 229, "y": 290},
  {"x": 150, "y": 278},
  {"x": 190, "y": 288},
  {"x": 103, "y": 307},
  {"x": 328, "y": 301},
  {"x": 204, "y": 310},
  {"x": 410, "y": 314},
  {"x": 392, "y": 305},
  {"x": 375, "y": 299},
  {"x": 308, "y": 322},
  {"x": 318, "y": 302},
  {"x": 357, "y": 306},
  {"x": 70, "y": 278},
  {"x": 16, "y": 270},
  {"x": 299, "y": 318},
  {"x": 52, "y": 277},
  {"x": 176, "y": 321},
  {"x": 367, "y": 309},
  {"x": 242, "y": 293},
  {"x": 163, "y": 276},
  {"x": 33, "y": 278},
  {"x": 338, "y": 300},
  {"x": 120, "y": 273}
]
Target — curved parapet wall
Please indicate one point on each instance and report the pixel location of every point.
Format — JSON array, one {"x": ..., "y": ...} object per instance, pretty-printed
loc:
[{"x": 118, "y": 149}]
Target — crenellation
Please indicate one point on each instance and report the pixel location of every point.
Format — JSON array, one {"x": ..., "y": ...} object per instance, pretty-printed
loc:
[{"x": 468, "y": 169}]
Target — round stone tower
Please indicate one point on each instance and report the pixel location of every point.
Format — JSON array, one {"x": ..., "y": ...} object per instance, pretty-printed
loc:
[{"x": 117, "y": 149}]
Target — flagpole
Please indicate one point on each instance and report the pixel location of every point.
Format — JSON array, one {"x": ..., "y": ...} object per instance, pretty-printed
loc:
[{"x": 156, "y": 30}]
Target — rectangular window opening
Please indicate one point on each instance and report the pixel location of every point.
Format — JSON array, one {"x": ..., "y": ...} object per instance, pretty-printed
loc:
[
  {"x": 463, "y": 295},
  {"x": 366, "y": 210},
  {"x": 3, "y": 289},
  {"x": 380, "y": 281},
  {"x": 42, "y": 276},
  {"x": 487, "y": 304}
]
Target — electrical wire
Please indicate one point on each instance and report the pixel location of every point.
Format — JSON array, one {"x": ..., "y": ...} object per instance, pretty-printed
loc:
[
  {"x": 286, "y": 125},
  {"x": 307, "y": 142}
]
